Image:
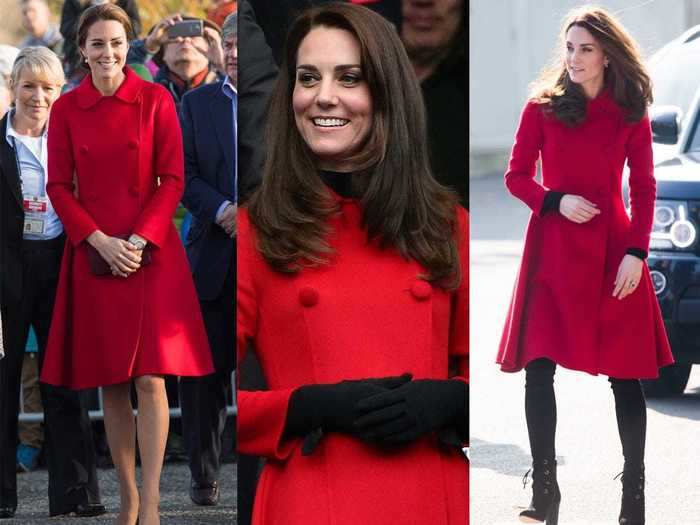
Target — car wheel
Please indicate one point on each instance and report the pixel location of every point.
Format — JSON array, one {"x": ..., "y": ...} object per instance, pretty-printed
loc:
[{"x": 671, "y": 382}]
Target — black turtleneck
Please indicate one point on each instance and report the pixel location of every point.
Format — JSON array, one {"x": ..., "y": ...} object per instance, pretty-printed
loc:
[{"x": 341, "y": 183}]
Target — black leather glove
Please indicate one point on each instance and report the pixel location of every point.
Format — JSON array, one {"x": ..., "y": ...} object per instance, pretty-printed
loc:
[
  {"x": 317, "y": 409},
  {"x": 417, "y": 408}
]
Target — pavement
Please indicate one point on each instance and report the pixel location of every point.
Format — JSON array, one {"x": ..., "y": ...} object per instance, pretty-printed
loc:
[
  {"x": 588, "y": 447},
  {"x": 176, "y": 506}
]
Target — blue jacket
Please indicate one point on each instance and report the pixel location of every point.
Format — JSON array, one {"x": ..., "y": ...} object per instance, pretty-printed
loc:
[{"x": 209, "y": 141}]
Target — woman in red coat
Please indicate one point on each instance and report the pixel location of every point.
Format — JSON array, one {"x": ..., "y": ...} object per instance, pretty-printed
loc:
[
  {"x": 583, "y": 298},
  {"x": 126, "y": 308},
  {"x": 352, "y": 290}
]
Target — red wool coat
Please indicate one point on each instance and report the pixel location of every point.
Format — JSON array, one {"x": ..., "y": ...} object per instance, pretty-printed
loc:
[
  {"x": 365, "y": 315},
  {"x": 106, "y": 329},
  {"x": 562, "y": 307}
]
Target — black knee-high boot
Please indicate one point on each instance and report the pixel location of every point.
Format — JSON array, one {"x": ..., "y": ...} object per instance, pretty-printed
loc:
[
  {"x": 631, "y": 412},
  {"x": 541, "y": 416}
]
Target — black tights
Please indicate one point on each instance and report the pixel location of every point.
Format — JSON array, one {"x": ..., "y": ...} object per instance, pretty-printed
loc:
[{"x": 541, "y": 413}]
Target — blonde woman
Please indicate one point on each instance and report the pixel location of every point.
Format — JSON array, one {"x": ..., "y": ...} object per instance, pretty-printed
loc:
[{"x": 31, "y": 244}]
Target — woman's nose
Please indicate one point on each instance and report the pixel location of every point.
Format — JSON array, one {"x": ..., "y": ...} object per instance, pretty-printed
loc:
[{"x": 326, "y": 94}]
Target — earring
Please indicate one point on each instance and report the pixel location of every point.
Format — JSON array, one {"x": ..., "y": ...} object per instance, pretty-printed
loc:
[{"x": 606, "y": 64}]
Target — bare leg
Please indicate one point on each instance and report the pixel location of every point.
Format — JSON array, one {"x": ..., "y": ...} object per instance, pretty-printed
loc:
[
  {"x": 152, "y": 426},
  {"x": 121, "y": 437}
]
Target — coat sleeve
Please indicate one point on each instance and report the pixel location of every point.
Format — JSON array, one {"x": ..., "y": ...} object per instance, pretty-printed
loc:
[
  {"x": 200, "y": 198},
  {"x": 155, "y": 220},
  {"x": 459, "y": 325},
  {"x": 522, "y": 167},
  {"x": 642, "y": 184},
  {"x": 262, "y": 415},
  {"x": 60, "y": 185}
]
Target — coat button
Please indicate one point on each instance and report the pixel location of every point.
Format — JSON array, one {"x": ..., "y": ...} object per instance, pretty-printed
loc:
[
  {"x": 83, "y": 149},
  {"x": 133, "y": 144},
  {"x": 134, "y": 190},
  {"x": 421, "y": 290},
  {"x": 308, "y": 297}
]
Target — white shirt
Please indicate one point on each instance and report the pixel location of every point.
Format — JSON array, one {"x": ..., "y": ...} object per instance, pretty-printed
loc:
[{"x": 31, "y": 154}]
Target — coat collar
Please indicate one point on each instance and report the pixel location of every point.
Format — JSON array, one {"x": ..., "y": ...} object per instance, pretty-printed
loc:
[{"x": 128, "y": 91}]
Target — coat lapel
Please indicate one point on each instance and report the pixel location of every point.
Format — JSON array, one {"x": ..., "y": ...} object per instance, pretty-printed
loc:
[
  {"x": 222, "y": 116},
  {"x": 9, "y": 162}
]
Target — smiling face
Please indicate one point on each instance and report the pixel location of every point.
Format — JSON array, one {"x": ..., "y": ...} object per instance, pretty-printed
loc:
[
  {"x": 585, "y": 60},
  {"x": 331, "y": 99},
  {"x": 105, "y": 49},
  {"x": 34, "y": 94}
]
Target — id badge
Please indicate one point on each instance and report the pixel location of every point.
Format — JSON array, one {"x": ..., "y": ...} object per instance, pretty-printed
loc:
[
  {"x": 33, "y": 225},
  {"x": 34, "y": 204}
]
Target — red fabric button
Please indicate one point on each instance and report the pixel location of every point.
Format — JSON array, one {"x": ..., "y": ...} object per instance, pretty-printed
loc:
[
  {"x": 83, "y": 149},
  {"x": 308, "y": 296},
  {"x": 421, "y": 290},
  {"x": 134, "y": 190},
  {"x": 133, "y": 144}
]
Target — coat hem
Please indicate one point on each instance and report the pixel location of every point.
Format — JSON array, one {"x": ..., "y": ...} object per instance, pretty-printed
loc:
[{"x": 513, "y": 368}]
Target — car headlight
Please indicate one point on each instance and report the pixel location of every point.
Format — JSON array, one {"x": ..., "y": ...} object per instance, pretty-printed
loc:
[{"x": 672, "y": 228}]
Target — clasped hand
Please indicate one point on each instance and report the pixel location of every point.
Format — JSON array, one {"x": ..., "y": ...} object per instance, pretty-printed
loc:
[
  {"x": 122, "y": 256},
  {"x": 384, "y": 411},
  {"x": 228, "y": 219},
  {"x": 577, "y": 209}
]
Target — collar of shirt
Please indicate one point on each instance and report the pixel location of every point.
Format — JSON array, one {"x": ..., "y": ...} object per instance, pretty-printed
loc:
[
  {"x": 10, "y": 131},
  {"x": 229, "y": 89}
]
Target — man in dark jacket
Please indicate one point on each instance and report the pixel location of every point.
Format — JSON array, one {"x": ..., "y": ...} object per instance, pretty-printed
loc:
[
  {"x": 433, "y": 32},
  {"x": 208, "y": 118}
]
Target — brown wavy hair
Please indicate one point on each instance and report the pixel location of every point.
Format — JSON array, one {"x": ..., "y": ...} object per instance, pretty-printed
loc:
[
  {"x": 625, "y": 77},
  {"x": 404, "y": 208}
]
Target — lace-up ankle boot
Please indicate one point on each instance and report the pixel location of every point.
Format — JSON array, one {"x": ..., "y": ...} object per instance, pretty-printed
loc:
[
  {"x": 632, "y": 509},
  {"x": 544, "y": 506}
]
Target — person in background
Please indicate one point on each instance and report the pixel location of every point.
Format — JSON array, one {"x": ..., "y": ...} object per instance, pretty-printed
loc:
[
  {"x": 8, "y": 54},
  {"x": 208, "y": 118},
  {"x": 31, "y": 434},
  {"x": 36, "y": 19},
  {"x": 5, "y": 96},
  {"x": 219, "y": 10},
  {"x": 184, "y": 63},
  {"x": 32, "y": 241},
  {"x": 434, "y": 33}
]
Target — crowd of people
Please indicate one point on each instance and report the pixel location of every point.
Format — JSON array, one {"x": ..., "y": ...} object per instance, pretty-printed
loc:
[{"x": 95, "y": 262}]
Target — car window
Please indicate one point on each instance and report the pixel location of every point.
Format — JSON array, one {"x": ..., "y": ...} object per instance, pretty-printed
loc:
[{"x": 676, "y": 78}]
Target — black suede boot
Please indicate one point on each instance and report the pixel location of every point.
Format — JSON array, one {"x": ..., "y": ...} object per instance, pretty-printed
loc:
[
  {"x": 632, "y": 509},
  {"x": 544, "y": 506}
]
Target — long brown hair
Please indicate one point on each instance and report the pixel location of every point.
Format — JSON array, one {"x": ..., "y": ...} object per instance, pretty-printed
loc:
[
  {"x": 625, "y": 77},
  {"x": 403, "y": 206}
]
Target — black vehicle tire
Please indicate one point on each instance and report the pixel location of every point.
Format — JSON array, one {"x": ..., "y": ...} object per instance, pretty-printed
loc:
[{"x": 671, "y": 382}]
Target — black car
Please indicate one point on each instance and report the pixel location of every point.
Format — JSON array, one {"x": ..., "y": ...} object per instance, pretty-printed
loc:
[{"x": 674, "y": 252}]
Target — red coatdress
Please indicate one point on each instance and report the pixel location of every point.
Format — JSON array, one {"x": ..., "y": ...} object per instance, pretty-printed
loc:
[
  {"x": 562, "y": 306},
  {"x": 106, "y": 330},
  {"x": 365, "y": 315}
]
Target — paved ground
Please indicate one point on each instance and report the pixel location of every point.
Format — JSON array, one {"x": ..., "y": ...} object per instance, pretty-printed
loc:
[
  {"x": 587, "y": 442},
  {"x": 176, "y": 507}
]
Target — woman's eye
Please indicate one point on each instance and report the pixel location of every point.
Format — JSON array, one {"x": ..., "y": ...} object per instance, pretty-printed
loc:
[
  {"x": 350, "y": 78},
  {"x": 306, "y": 78}
]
